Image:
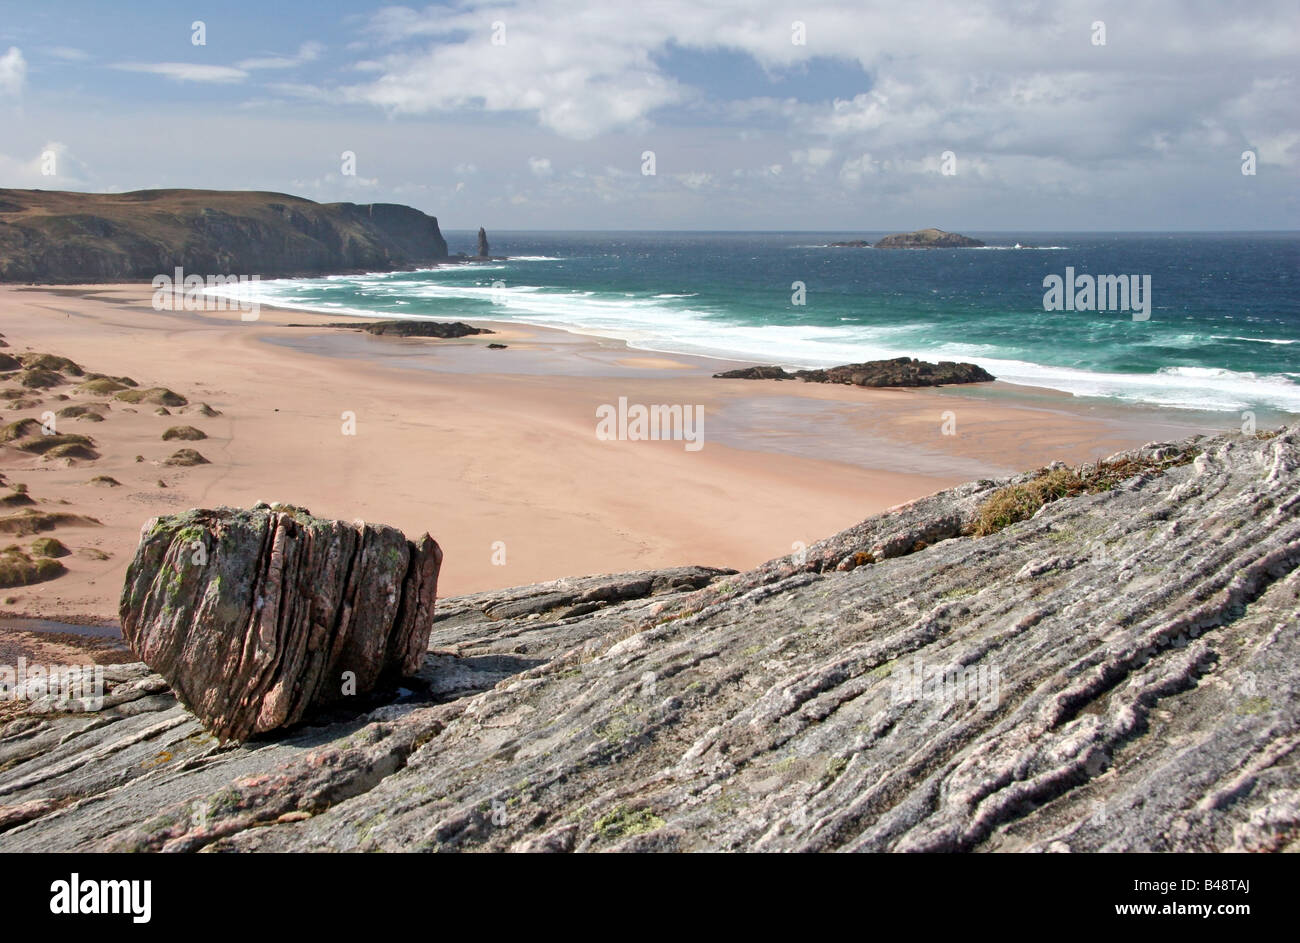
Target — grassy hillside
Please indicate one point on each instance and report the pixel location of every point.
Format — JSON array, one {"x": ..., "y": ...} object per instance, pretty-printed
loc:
[{"x": 64, "y": 237}]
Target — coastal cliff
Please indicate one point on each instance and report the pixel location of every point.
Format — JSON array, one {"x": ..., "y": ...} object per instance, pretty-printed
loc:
[
  {"x": 1071, "y": 659},
  {"x": 62, "y": 237}
]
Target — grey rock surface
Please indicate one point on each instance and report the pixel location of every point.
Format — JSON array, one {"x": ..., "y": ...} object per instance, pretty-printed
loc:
[{"x": 1117, "y": 672}]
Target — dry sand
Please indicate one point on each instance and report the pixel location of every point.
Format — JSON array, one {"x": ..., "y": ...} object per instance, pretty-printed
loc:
[{"x": 494, "y": 450}]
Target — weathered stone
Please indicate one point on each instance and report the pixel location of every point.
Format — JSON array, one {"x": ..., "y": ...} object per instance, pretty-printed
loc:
[
  {"x": 257, "y": 616},
  {"x": 1147, "y": 699}
]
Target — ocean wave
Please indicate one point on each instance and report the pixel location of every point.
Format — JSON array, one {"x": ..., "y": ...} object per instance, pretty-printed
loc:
[
  {"x": 664, "y": 323},
  {"x": 533, "y": 258},
  {"x": 1253, "y": 340}
]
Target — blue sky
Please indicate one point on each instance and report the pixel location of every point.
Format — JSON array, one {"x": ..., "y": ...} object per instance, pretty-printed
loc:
[{"x": 750, "y": 128}]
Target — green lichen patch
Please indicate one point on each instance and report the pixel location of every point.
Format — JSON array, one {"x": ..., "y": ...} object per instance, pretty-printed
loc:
[{"x": 624, "y": 822}]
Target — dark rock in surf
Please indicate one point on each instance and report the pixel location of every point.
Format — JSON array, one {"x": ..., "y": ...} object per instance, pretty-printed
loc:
[{"x": 754, "y": 373}]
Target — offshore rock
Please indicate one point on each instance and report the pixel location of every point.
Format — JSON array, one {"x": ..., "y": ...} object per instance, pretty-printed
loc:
[
  {"x": 929, "y": 239},
  {"x": 254, "y": 617}
]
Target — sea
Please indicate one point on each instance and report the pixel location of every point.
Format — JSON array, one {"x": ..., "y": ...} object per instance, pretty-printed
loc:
[{"x": 1222, "y": 333}]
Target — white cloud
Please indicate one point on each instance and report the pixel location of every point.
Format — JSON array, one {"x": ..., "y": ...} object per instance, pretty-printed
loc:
[
  {"x": 13, "y": 72},
  {"x": 976, "y": 76},
  {"x": 814, "y": 158},
  {"x": 55, "y": 156},
  {"x": 540, "y": 166},
  {"x": 695, "y": 180},
  {"x": 307, "y": 52},
  {"x": 854, "y": 170},
  {"x": 186, "y": 71}
]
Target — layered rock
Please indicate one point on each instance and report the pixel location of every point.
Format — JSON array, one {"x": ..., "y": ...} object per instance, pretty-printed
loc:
[
  {"x": 1119, "y": 672},
  {"x": 63, "y": 237},
  {"x": 900, "y": 371},
  {"x": 255, "y": 617}
]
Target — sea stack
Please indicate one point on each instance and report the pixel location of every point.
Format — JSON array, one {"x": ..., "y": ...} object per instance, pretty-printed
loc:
[{"x": 483, "y": 249}]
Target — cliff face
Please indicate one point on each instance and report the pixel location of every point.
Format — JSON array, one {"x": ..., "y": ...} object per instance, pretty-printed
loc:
[
  {"x": 62, "y": 237},
  {"x": 1117, "y": 671}
]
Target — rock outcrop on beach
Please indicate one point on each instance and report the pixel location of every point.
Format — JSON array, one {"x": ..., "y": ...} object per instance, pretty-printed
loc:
[
  {"x": 412, "y": 328},
  {"x": 407, "y": 328},
  {"x": 1114, "y": 667},
  {"x": 928, "y": 239},
  {"x": 52, "y": 236},
  {"x": 901, "y": 371},
  {"x": 755, "y": 373},
  {"x": 255, "y": 617}
]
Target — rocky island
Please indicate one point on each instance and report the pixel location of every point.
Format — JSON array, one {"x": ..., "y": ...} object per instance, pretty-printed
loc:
[{"x": 929, "y": 239}]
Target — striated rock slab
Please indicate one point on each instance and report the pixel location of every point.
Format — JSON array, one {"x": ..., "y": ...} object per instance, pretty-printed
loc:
[
  {"x": 1118, "y": 672},
  {"x": 257, "y": 616}
]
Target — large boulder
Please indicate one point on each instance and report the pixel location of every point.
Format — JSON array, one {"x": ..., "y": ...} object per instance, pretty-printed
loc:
[{"x": 254, "y": 617}]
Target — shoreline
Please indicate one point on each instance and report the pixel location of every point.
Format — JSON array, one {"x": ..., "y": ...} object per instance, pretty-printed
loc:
[{"x": 483, "y": 447}]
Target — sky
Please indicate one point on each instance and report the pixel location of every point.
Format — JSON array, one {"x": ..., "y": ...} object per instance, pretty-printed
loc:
[{"x": 753, "y": 115}]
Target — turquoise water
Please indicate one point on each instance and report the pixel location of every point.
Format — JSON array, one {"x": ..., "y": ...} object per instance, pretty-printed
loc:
[{"x": 1223, "y": 333}]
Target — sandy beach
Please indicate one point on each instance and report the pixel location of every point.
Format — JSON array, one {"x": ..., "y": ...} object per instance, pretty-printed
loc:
[{"x": 493, "y": 452}]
